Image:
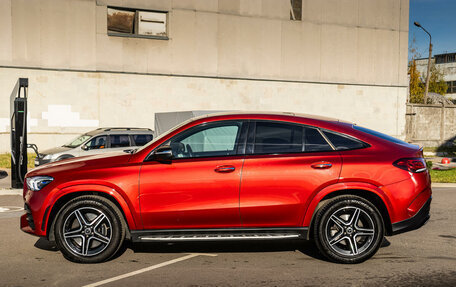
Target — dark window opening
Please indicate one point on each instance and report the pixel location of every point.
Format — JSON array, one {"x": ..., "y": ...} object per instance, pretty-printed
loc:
[
  {"x": 119, "y": 141},
  {"x": 451, "y": 87},
  {"x": 314, "y": 141},
  {"x": 273, "y": 138},
  {"x": 341, "y": 142},
  {"x": 96, "y": 143},
  {"x": 140, "y": 140},
  {"x": 296, "y": 10}
]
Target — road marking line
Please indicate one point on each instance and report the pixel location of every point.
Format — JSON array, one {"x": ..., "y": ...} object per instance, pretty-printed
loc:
[{"x": 191, "y": 255}]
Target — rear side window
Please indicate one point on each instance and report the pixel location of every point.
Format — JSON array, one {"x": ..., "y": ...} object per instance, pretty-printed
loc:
[
  {"x": 119, "y": 141},
  {"x": 140, "y": 140},
  {"x": 314, "y": 141},
  {"x": 271, "y": 138},
  {"x": 341, "y": 142}
]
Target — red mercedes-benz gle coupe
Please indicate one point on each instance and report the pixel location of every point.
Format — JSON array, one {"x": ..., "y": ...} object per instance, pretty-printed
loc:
[{"x": 235, "y": 176}]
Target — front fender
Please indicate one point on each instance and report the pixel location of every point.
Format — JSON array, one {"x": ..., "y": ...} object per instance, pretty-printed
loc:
[
  {"x": 126, "y": 205},
  {"x": 368, "y": 187}
]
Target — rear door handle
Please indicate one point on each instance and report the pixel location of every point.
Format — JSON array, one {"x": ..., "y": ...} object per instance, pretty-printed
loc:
[
  {"x": 321, "y": 165},
  {"x": 224, "y": 168}
]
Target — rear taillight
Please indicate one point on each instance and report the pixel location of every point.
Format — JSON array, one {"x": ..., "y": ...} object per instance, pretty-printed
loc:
[{"x": 411, "y": 164}]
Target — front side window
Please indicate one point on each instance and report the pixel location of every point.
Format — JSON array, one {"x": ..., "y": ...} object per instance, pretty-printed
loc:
[
  {"x": 214, "y": 140},
  {"x": 119, "y": 141},
  {"x": 274, "y": 138},
  {"x": 96, "y": 143}
]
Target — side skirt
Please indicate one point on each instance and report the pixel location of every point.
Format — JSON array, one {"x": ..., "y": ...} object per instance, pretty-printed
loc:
[{"x": 219, "y": 234}]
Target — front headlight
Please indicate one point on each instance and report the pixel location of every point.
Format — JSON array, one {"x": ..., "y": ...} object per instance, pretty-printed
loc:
[{"x": 36, "y": 183}]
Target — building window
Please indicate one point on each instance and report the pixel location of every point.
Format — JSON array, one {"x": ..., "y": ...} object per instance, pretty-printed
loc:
[
  {"x": 451, "y": 87},
  {"x": 445, "y": 58},
  {"x": 295, "y": 10},
  {"x": 126, "y": 22}
]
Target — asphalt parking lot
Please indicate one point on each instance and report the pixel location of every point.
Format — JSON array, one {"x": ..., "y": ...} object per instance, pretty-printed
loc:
[{"x": 425, "y": 257}]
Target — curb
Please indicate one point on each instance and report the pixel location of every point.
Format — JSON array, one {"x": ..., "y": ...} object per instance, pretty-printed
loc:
[
  {"x": 443, "y": 184},
  {"x": 10, "y": 191}
]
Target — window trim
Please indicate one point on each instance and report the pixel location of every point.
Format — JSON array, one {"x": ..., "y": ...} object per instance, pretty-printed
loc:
[
  {"x": 240, "y": 143},
  {"x": 135, "y": 35}
]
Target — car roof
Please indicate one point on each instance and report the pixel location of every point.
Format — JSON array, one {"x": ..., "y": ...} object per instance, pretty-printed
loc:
[
  {"x": 257, "y": 113},
  {"x": 120, "y": 130}
]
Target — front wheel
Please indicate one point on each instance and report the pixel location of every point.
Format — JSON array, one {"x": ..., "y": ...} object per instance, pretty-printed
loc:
[
  {"x": 89, "y": 229},
  {"x": 348, "y": 229}
]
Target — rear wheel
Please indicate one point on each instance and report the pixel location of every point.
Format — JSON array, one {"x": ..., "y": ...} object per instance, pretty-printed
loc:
[
  {"x": 348, "y": 229},
  {"x": 89, "y": 229}
]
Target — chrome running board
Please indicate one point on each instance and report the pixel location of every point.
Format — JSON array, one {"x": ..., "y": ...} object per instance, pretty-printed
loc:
[{"x": 218, "y": 234}]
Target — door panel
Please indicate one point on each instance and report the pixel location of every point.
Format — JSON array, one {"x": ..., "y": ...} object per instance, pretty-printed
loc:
[
  {"x": 276, "y": 189},
  {"x": 200, "y": 188},
  {"x": 190, "y": 193}
]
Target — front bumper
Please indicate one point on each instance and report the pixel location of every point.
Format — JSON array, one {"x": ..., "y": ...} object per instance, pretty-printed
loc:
[{"x": 415, "y": 222}]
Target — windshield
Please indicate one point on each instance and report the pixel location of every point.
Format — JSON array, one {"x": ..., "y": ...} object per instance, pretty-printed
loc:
[
  {"x": 77, "y": 141},
  {"x": 165, "y": 134}
]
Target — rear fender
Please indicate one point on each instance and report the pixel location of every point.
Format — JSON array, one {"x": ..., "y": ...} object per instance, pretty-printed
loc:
[{"x": 346, "y": 186}]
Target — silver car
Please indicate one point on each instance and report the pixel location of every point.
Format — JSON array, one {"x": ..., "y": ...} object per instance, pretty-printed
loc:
[{"x": 98, "y": 141}]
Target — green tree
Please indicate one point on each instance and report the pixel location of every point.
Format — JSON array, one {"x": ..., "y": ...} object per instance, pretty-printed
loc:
[
  {"x": 436, "y": 82},
  {"x": 416, "y": 85}
]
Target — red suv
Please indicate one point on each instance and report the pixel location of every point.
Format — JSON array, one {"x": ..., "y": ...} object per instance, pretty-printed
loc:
[{"x": 238, "y": 176}]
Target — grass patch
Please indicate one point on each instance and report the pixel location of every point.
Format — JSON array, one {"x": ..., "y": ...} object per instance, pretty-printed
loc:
[
  {"x": 5, "y": 160},
  {"x": 444, "y": 175}
]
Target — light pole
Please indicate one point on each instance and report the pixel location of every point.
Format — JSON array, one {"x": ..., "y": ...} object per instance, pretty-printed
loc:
[{"x": 429, "y": 61}]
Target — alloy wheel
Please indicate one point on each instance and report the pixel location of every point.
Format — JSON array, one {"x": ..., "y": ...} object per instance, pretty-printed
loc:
[
  {"x": 87, "y": 231},
  {"x": 350, "y": 231}
]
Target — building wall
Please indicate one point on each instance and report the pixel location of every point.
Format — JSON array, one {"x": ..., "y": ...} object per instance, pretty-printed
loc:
[
  {"x": 345, "y": 59},
  {"x": 448, "y": 69}
]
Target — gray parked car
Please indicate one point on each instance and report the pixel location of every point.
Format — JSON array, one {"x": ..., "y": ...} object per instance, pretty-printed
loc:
[{"x": 98, "y": 141}]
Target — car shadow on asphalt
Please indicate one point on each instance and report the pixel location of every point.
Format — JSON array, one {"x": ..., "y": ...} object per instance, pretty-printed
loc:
[
  {"x": 306, "y": 247},
  {"x": 267, "y": 246}
]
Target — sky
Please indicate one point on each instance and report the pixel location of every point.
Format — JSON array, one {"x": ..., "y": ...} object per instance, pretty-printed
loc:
[{"x": 438, "y": 17}]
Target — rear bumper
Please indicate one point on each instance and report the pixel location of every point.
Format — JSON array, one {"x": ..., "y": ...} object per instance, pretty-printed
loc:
[{"x": 415, "y": 222}]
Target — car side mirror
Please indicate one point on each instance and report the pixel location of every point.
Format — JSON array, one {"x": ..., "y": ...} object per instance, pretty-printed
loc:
[
  {"x": 163, "y": 154},
  {"x": 84, "y": 147}
]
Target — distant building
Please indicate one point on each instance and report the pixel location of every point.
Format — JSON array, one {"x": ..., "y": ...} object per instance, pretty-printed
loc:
[
  {"x": 447, "y": 64},
  {"x": 93, "y": 63}
]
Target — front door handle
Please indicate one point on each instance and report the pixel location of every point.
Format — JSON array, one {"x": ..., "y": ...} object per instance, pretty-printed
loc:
[
  {"x": 321, "y": 165},
  {"x": 224, "y": 168}
]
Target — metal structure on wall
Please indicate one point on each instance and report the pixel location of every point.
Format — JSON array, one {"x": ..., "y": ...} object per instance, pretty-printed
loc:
[{"x": 18, "y": 117}]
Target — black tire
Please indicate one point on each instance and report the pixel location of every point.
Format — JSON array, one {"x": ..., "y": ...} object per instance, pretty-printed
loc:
[
  {"x": 342, "y": 240},
  {"x": 102, "y": 229}
]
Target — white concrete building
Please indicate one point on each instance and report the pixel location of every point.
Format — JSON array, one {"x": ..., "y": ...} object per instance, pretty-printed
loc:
[
  {"x": 446, "y": 63},
  {"x": 345, "y": 59}
]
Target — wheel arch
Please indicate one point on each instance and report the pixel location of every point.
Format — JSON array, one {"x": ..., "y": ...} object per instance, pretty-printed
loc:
[
  {"x": 62, "y": 200},
  {"x": 371, "y": 196}
]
